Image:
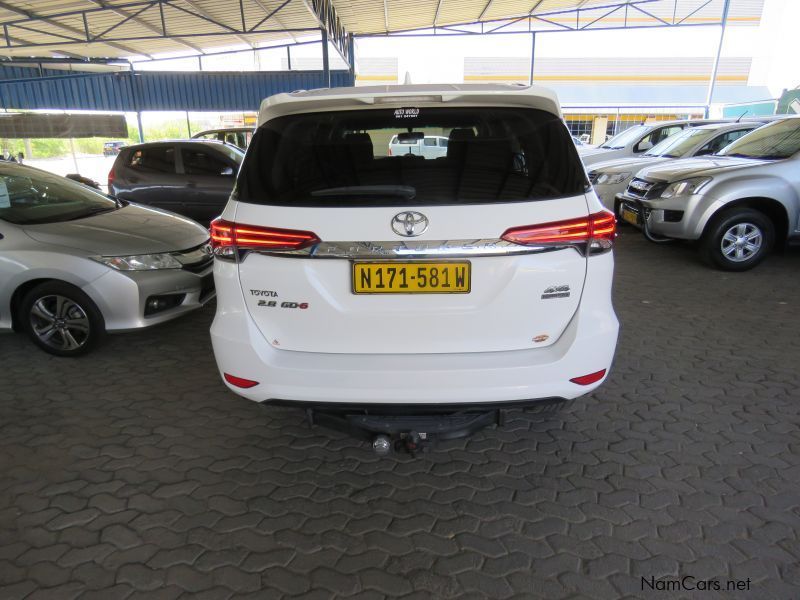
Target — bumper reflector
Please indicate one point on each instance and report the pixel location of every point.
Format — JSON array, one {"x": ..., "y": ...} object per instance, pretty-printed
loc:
[
  {"x": 590, "y": 378},
  {"x": 239, "y": 382}
]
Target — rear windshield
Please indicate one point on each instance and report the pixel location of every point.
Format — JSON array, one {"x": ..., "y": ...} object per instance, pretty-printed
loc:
[{"x": 356, "y": 158}]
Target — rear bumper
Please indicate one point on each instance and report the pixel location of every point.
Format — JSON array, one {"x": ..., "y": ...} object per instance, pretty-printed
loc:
[{"x": 475, "y": 379}]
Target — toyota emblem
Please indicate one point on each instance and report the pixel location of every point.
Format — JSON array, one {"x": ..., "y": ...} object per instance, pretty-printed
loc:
[{"x": 409, "y": 224}]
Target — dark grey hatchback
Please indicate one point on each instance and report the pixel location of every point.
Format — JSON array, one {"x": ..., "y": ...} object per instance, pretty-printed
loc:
[{"x": 190, "y": 177}]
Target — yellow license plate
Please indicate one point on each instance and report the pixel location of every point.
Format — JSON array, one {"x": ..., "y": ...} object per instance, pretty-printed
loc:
[
  {"x": 411, "y": 277},
  {"x": 630, "y": 216}
]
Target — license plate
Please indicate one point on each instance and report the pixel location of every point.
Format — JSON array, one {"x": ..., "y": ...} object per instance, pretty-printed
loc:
[
  {"x": 411, "y": 277},
  {"x": 629, "y": 216}
]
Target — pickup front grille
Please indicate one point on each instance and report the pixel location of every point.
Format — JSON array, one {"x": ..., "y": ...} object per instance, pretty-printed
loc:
[{"x": 641, "y": 188}]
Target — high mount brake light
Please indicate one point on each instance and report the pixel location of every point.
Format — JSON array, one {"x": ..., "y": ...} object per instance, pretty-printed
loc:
[
  {"x": 598, "y": 229},
  {"x": 229, "y": 235}
]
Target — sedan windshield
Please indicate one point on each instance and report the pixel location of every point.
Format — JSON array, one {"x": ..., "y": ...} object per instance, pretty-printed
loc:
[
  {"x": 626, "y": 137},
  {"x": 772, "y": 142},
  {"x": 30, "y": 196},
  {"x": 680, "y": 143}
]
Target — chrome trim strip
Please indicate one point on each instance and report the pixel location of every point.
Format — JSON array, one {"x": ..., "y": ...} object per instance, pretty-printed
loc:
[{"x": 411, "y": 249}]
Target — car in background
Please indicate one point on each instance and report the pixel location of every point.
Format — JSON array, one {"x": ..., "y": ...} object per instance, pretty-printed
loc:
[
  {"x": 189, "y": 177},
  {"x": 429, "y": 146},
  {"x": 497, "y": 254},
  {"x": 75, "y": 263},
  {"x": 738, "y": 204},
  {"x": 610, "y": 178},
  {"x": 236, "y": 136},
  {"x": 636, "y": 140},
  {"x": 112, "y": 148}
]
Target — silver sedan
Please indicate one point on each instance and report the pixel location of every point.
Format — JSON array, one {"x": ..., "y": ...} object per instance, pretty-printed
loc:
[{"x": 75, "y": 263}]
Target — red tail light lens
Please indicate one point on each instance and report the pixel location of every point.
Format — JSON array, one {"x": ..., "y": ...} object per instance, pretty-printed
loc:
[
  {"x": 590, "y": 378},
  {"x": 598, "y": 227},
  {"x": 239, "y": 382},
  {"x": 225, "y": 234},
  {"x": 111, "y": 177}
]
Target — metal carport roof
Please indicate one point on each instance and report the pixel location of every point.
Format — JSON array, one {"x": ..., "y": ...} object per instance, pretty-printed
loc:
[{"x": 143, "y": 28}]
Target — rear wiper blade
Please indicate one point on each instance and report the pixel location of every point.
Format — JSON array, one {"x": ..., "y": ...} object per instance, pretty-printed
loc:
[{"x": 404, "y": 191}]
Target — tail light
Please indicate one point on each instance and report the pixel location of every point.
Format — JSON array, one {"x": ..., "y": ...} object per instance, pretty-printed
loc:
[
  {"x": 598, "y": 230},
  {"x": 111, "y": 177},
  {"x": 228, "y": 237}
]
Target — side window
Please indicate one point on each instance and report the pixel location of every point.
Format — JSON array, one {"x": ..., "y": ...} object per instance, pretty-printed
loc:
[
  {"x": 443, "y": 142},
  {"x": 235, "y": 138},
  {"x": 429, "y": 141},
  {"x": 203, "y": 162},
  {"x": 157, "y": 159},
  {"x": 719, "y": 142},
  {"x": 664, "y": 133}
]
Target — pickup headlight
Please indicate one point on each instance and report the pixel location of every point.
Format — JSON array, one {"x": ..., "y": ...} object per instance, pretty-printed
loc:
[
  {"x": 140, "y": 262},
  {"x": 613, "y": 178},
  {"x": 686, "y": 187}
]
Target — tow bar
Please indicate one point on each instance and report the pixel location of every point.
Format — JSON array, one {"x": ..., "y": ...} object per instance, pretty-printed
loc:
[{"x": 409, "y": 434}]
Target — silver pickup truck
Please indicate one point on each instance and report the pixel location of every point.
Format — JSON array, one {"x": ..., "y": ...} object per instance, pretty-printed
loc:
[{"x": 739, "y": 203}]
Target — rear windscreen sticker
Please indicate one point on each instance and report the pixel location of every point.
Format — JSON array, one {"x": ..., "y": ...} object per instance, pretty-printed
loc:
[{"x": 406, "y": 113}]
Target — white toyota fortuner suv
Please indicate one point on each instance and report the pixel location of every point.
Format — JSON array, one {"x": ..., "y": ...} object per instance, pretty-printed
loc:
[{"x": 351, "y": 279}]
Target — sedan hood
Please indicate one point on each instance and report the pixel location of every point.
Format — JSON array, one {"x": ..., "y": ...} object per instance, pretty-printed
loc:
[
  {"x": 133, "y": 229},
  {"x": 696, "y": 167}
]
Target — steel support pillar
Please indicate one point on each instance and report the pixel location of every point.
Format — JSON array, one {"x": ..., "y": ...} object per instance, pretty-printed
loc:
[
  {"x": 533, "y": 55},
  {"x": 715, "y": 69},
  {"x": 326, "y": 65}
]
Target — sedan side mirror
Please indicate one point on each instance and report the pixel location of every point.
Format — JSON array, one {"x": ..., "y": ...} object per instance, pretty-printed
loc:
[
  {"x": 643, "y": 146},
  {"x": 227, "y": 172}
]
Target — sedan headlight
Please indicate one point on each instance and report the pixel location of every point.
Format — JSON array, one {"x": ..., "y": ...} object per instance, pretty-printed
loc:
[
  {"x": 686, "y": 187},
  {"x": 140, "y": 262},
  {"x": 613, "y": 178}
]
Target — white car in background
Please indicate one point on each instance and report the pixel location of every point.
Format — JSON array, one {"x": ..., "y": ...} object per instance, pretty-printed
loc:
[
  {"x": 429, "y": 146},
  {"x": 610, "y": 178},
  {"x": 351, "y": 281},
  {"x": 636, "y": 140}
]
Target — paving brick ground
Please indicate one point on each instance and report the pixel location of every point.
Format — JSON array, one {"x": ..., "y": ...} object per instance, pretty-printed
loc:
[{"x": 135, "y": 474}]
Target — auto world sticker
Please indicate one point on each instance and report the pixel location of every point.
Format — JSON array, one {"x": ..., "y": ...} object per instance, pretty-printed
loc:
[{"x": 406, "y": 113}]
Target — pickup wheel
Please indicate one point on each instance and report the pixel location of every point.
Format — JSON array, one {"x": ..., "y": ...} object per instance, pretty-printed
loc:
[{"x": 738, "y": 240}]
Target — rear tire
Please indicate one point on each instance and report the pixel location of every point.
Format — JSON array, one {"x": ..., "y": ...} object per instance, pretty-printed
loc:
[
  {"x": 61, "y": 319},
  {"x": 738, "y": 240}
]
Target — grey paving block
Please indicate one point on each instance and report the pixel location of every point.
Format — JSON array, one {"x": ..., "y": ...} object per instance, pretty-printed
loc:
[{"x": 134, "y": 473}]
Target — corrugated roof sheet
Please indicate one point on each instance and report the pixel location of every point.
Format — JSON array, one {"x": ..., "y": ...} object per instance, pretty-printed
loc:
[{"x": 119, "y": 28}]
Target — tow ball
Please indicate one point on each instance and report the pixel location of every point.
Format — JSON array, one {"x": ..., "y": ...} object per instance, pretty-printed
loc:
[
  {"x": 409, "y": 434},
  {"x": 409, "y": 443}
]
